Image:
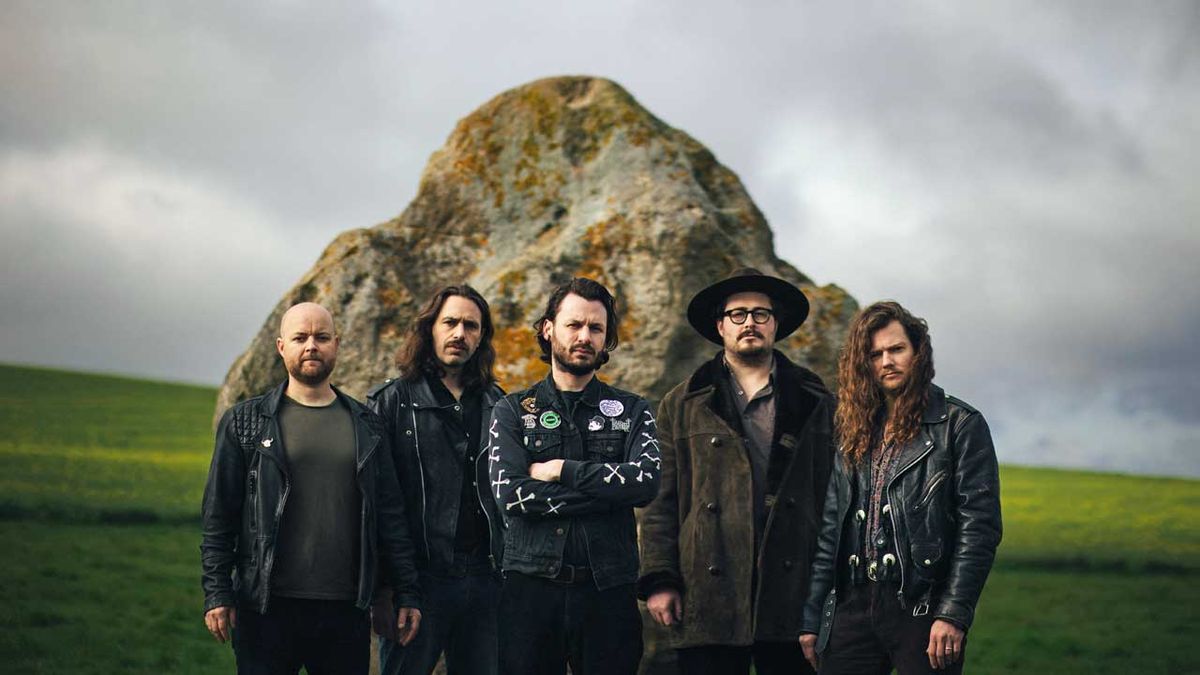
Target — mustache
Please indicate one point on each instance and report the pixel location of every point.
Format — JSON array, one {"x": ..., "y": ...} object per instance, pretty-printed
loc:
[
  {"x": 587, "y": 349},
  {"x": 461, "y": 344},
  {"x": 749, "y": 332}
]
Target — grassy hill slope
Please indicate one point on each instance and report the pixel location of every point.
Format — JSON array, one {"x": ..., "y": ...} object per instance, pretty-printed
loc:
[{"x": 100, "y": 485}]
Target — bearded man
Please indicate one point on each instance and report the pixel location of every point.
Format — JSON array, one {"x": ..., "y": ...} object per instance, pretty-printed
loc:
[
  {"x": 436, "y": 414},
  {"x": 747, "y": 452},
  {"x": 570, "y": 458},
  {"x": 912, "y": 517},
  {"x": 300, "y": 510}
]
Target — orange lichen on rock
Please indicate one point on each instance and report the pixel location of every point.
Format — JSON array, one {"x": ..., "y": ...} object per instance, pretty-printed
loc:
[{"x": 518, "y": 362}]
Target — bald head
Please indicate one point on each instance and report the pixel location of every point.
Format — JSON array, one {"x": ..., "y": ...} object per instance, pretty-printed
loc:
[
  {"x": 305, "y": 312},
  {"x": 307, "y": 343}
]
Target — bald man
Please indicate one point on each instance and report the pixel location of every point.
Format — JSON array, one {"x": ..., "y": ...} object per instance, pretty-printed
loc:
[{"x": 300, "y": 511}]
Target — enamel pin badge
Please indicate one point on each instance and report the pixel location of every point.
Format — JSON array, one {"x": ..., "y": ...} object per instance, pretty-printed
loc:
[
  {"x": 550, "y": 420},
  {"x": 611, "y": 407}
]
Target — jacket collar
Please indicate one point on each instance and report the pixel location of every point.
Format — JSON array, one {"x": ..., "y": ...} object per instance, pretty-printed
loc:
[
  {"x": 547, "y": 392},
  {"x": 935, "y": 409},
  {"x": 706, "y": 375},
  {"x": 421, "y": 394},
  {"x": 364, "y": 440},
  {"x": 935, "y": 413}
]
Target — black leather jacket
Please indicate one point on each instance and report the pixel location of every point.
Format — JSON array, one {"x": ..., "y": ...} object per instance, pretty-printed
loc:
[
  {"x": 430, "y": 473},
  {"x": 609, "y": 468},
  {"x": 945, "y": 510},
  {"x": 246, "y": 495}
]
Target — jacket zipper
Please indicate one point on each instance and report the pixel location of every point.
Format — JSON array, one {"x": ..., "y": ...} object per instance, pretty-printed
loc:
[
  {"x": 269, "y": 557},
  {"x": 254, "y": 500},
  {"x": 421, "y": 474},
  {"x": 892, "y": 516},
  {"x": 933, "y": 485},
  {"x": 482, "y": 506}
]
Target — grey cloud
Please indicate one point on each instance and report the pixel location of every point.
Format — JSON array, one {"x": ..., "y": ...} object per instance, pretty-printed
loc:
[{"x": 1019, "y": 173}]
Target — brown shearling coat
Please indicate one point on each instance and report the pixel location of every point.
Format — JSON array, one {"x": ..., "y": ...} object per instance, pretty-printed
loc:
[{"x": 697, "y": 536}]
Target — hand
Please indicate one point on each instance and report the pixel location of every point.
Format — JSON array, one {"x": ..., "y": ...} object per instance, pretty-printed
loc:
[
  {"x": 548, "y": 472},
  {"x": 666, "y": 607},
  {"x": 945, "y": 644},
  {"x": 383, "y": 617},
  {"x": 407, "y": 622},
  {"x": 808, "y": 644},
  {"x": 221, "y": 622}
]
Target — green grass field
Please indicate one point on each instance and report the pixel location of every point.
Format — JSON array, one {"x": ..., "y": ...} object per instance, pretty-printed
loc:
[{"x": 100, "y": 485}]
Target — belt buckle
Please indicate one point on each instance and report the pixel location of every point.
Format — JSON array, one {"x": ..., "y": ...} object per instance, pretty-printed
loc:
[
  {"x": 872, "y": 570},
  {"x": 570, "y": 577}
]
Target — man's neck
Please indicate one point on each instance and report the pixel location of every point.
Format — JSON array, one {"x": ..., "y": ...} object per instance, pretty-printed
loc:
[
  {"x": 565, "y": 381},
  {"x": 751, "y": 374},
  {"x": 310, "y": 394}
]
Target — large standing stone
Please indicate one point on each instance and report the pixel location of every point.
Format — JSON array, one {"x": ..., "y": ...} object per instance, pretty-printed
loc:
[{"x": 561, "y": 177}]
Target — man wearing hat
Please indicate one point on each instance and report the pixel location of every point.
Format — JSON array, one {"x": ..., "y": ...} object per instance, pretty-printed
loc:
[{"x": 746, "y": 454}]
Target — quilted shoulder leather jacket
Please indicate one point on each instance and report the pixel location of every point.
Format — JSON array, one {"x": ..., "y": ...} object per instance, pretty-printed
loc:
[{"x": 246, "y": 495}]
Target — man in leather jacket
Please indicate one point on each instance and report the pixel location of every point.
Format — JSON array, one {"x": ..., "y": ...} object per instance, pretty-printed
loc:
[
  {"x": 300, "y": 509},
  {"x": 747, "y": 450},
  {"x": 570, "y": 457},
  {"x": 912, "y": 515},
  {"x": 437, "y": 414}
]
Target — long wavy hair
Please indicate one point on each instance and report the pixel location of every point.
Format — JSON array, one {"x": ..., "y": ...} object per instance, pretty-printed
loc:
[
  {"x": 861, "y": 408},
  {"x": 588, "y": 290},
  {"x": 417, "y": 356}
]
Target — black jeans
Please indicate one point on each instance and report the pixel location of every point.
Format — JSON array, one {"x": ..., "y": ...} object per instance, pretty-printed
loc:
[
  {"x": 326, "y": 637},
  {"x": 872, "y": 634},
  {"x": 458, "y": 617},
  {"x": 770, "y": 658},
  {"x": 545, "y": 624}
]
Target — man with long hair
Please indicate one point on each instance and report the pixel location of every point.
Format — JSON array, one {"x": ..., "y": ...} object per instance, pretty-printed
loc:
[
  {"x": 301, "y": 515},
  {"x": 570, "y": 458},
  {"x": 437, "y": 413},
  {"x": 912, "y": 515},
  {"x": 747, "y": 450}
]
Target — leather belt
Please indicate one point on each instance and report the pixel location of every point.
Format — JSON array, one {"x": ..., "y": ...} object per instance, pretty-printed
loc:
[{"x": 573, "y": 574}]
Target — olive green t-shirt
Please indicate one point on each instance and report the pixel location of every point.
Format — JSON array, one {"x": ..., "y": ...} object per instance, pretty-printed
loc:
[{"x": 317, "y": 545}]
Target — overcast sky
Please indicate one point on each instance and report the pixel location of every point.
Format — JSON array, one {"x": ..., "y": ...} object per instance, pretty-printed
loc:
[{"x": 1021, "y": 174}]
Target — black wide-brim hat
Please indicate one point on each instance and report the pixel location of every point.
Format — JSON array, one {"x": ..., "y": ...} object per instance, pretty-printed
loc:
[{"x": 790, "y": 304}]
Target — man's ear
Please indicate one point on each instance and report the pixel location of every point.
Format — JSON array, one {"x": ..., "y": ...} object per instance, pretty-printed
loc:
[{"x": 279, "y": 346}]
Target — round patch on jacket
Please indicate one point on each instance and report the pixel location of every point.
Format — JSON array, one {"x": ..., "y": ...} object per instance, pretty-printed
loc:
[
  {"x": 596, "y": 423},
  {"x": 611, "y": 407},
  {"x": 550, "y": 419}
]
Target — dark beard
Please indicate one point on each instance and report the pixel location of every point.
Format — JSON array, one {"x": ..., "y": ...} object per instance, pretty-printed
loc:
[
  {"x": 320, "y": 376},
  {"x": 561, "y": 359}
]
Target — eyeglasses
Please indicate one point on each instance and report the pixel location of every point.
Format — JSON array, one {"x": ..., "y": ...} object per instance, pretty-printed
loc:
[{"x": 738, "y": 316}]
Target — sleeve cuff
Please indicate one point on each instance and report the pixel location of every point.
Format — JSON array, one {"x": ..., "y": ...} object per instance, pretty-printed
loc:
[{"x": 569, "y": 469}]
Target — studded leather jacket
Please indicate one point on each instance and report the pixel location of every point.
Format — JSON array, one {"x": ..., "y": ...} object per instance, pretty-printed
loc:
[
  {"x": 610, "y": 467},
  {"x": 944, "y": 512},
  {"x": 246, "y": 496}
]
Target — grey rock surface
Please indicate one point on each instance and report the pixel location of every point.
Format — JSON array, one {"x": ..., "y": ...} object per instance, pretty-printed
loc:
[{"x": 562, "y": 177}]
